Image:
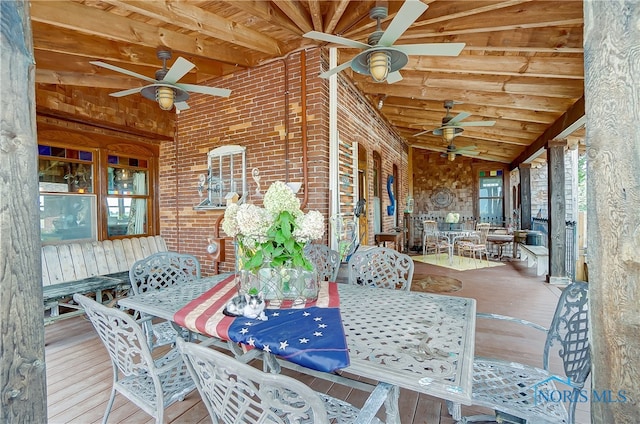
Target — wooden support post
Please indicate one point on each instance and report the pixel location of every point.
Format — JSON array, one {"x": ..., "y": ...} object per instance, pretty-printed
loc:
[
  {"x": 525, "y": 196},
  {"x": 22, "y": 366},
  {"x": 557, "y": 240},
  {"x": 611, "y": 46}
]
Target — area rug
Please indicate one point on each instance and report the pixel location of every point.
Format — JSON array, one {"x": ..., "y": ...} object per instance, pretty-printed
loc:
[
  {"x": 459, "y": 263},
  {"x": 435, "y": 284}
]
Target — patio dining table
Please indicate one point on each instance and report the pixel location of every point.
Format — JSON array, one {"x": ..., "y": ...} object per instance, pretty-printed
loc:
[
  {"x": 417, "y": 341},
  {"x": 453, "y": 236}
]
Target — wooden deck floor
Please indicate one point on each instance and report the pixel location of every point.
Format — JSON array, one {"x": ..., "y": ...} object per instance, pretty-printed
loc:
[{"x": 79, "y": 371}]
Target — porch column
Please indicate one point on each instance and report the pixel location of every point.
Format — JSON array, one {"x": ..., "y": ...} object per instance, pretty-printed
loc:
[
  {"x": 22, "y": 365},
  {"x": 557, "y": 211},
  {"x": 525, "y": 196},
  {"x": 611, "y": 46}
]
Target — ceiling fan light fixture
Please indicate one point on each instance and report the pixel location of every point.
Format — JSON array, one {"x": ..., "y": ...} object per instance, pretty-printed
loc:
[
  {"x": 448, "y": 133},
  {"x": 451, "y": 156},
  {"x": 164, "y": 97},
  {"x": 379, "y": 63}
]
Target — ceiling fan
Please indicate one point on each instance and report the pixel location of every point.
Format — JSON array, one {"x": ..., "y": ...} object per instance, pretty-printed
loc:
[
  {"x": 451, "y": 126},
  {"x": 380, "y": 58},
  {"x": 165, "y": 88},
  {"x": 452, "y": 152}
]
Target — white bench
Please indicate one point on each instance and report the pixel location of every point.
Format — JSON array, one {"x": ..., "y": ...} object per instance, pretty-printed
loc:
[
  {"x": 99, "y": 268},
  {"x": 536, "y": 255}
]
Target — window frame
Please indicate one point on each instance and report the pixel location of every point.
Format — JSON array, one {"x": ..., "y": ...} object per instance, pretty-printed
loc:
[{"x": 102, "y": 149}]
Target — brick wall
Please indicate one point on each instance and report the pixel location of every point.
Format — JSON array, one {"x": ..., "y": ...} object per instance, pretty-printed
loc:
[{"x": 265, "y": 105}]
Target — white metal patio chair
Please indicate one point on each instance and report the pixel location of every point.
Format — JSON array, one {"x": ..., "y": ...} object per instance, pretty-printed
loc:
[
  {"x": 151, "y": 384},
  {"x": 513, "y": 389},
  {"x": 381, "y": 267},
  {"x": 235, "y": 392},
  {"x": 477, "y": 244},
  {"x": 158, "y": 271},
  {"x": 326, "y": 261}
]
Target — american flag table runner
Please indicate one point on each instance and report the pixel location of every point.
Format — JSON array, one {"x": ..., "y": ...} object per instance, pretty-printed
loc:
[{"x": 310, "y": 334}]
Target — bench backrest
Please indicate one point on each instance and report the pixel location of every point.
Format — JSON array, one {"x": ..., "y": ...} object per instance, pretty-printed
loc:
[{"x": 75, "y": 261}]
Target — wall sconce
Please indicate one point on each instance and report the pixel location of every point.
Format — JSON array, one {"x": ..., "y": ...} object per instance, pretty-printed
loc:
[{"x": 164, "y": 97}]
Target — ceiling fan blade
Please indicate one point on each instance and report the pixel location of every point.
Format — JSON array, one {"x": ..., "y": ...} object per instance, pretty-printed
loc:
[
  {"x": 180, "y": 106},
  {"x": 127, "y": 92},
  {"x": 394, "y": 77},
  {"x": 422, "y": 132},
  {"x": 465, "y": 148},
  {"x": 329, "y": 38},
  {"x": 431, "y": 49},
  {"x": 335, "y": 70},
  {"x": 180, "y": 68},
  {"x": 468, "y": 153},
  {"x": 406, "y": 16},
  {"x": 122, "y": 70},
  {"x": 203, "y": 89},
  {"x": 459, "y": 117},
  {"x": 477, "y": 124}
]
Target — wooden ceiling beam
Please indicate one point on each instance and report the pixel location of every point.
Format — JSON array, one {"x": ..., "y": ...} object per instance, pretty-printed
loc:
[
  {"x": 297, "y": 13},
  {"x": 266, "y": 12},
  {"x": 534, "y": 14},
  {"x": 202, "y": 22},
  {"x": 571, "y": 116},
  {"x": 499, "y": 99},
  {"x": 554, "y": 87},
  {"x": 92, "y": 21},
  {"x": 334, "y": 14},
  {"x": 478, "y": 109},
  {"x": 46, "y": 76}
]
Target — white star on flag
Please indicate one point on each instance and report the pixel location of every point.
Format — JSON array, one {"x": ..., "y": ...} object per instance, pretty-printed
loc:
[
  {"x": 317, "y": 319},
  {"x": 304, "y": 340},
  {"x": 244, "y": 331},
  {"x": 322, "y": 326},
  {"x": 318, "y": 334},
  {"x": 266, "y": 348},
  {"x": 283, "y": 345},
  {"x": 252, "y": 342},
  {"x": 306, "y": 314}
]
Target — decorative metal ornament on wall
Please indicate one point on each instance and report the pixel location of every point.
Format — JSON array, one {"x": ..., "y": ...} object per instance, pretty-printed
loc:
[{"x": 442, "y": 197}]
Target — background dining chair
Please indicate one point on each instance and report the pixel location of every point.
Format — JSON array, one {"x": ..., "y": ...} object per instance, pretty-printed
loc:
[
  {"x": 151, "y": 384},
  {"x": 477, "y": 245},
  {"x": 531, "y": 393},
  {"x": 158, "y": 271},
  {"x": 326, "y": 260},
  {"x": 381, "y": 267},
  {"x": 236, "y": 392},
  {"x": 432, "y": 240}
]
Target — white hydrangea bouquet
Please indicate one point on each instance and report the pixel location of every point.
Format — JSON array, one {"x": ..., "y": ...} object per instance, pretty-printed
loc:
[{"x": 274, "y": 235}]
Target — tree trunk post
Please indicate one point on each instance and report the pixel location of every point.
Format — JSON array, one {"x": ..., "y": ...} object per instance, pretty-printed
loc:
[
  {"x": 557, "y": 237},
  {"x": 612, "y": 94},
  {"x": 525, "y": 196},
  {"x": 23, "y": 381}
]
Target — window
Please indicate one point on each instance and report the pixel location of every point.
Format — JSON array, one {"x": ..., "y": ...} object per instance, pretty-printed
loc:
[
  {"x": 87, "y": 194},
  {"x": 128, "y": 199},
  {"x": 490, "y": 197}
]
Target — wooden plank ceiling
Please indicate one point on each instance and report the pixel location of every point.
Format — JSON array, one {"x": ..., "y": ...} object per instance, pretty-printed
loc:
[{"x": 522, "y": 65}]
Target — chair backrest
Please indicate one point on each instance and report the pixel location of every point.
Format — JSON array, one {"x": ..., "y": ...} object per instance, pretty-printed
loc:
[
  {"x": 430, "y": 226},
  {"x": 163, "y": 269},
  {"x": 381, "y": 267},
  {"x": 326, "y": 261},
  {"x": 122, "y": 336},
  {"x": 234, "y": 392},
  {"x": 482, "y": 229},
  {"x": 469, "y": 225},
  {"x": 569, "y": 330}
]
